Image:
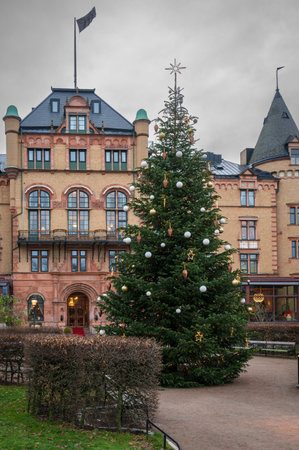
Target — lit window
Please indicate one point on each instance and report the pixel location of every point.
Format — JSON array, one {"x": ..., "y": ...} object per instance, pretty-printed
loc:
[
  {"x": 38, "y": 213},
  {"x": 35, "y": 308}
]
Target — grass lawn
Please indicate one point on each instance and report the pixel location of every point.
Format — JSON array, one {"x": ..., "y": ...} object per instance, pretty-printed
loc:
[{"x": 19, "y": 430}]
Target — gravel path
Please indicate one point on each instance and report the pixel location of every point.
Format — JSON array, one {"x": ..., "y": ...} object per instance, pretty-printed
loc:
[{"x": 260, "y": 410}]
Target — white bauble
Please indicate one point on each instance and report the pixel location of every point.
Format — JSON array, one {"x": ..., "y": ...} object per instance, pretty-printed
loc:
[
  {"x": 178, "y": 311},
  {"x": 102, "y": 332},
  {"x": 152, "y": 197},
  {"x": 126, "y": 208},
  {"x": 143, "y": 164},
  {"x": 104, "y": 295},
  {"x": 222, "y": 220},
  {"x": 179, "y": 154},
  {"x": 202, "y": 209},
  {"x": 148, "y": 293},
  {"x": 243, "y": 300},
  {"x": 128, "y": 240},
  {"x": 206, "y": 241},
  {"x": 204, "y": 155},
  {"x": 179, "y": 184},
  {"x": 132, "y": 188},
  {"x": 148, "y": 254},
  {"x": 163, "y": 244},
  {"x": 203, "y": 289},
  {"x": 227, "y": 247},
  {"x": 216, "y": 232},
  {"x": 187, "y": 234}
]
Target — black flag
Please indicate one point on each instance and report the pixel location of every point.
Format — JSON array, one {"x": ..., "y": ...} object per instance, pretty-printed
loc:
[{"x": 84, "y": 21}]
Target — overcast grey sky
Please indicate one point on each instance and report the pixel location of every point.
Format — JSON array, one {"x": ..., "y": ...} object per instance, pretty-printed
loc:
[{"x": 231, "y": 49}]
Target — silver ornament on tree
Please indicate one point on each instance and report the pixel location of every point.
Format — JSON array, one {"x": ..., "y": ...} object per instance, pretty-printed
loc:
[
  {"x": 178, "y": 310},
  {"x": 162, "y": 244},
  {"x": 179, "y": 184},
  {"x": 179, "y": 154},
  {"x": 148, "y": 293},
  {"x": 126, "y": 208},
  {"x": 206, "y": 241},
  {"x": 187, "y": 234},
  {"x": 143, "y": 164},
  {"x": 203, "y": 288},
  {"x": 202, "y": 209},
  {"x": 148, "y": 254}
]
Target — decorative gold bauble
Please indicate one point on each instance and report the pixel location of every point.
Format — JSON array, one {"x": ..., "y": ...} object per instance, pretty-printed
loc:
[
  {"x": 124, "y": 288},
  {"x": 152, "y": 212},
  {"x": 209, "y": 184},
  {"x": 198, "y": 336},
  {"x": 258, "y": 297},
  {"x": 221, "y": 230},
  {"x": 161, "y": 136},
  {"x": 235, "y": 282}
]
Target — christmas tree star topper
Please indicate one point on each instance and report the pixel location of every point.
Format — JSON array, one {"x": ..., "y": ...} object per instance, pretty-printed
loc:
[{"x": 175, "y": 67}]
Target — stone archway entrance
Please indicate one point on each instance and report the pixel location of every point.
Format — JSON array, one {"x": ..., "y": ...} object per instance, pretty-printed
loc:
[{"x": 77, "y": 310}]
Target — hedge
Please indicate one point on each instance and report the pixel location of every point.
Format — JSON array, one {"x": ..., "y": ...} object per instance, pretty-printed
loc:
[
  {"x": 107, "y": 382},
  {"x": 283, "y": 332}
]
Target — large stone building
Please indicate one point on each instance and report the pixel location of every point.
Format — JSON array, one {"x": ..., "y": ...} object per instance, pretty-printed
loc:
[
  {"x": 69, "y": 165},
  {"x": 68, "y": 168}
]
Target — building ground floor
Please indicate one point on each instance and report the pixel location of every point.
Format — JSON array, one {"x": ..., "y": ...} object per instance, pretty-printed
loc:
[{"x": 272, "y": 299}]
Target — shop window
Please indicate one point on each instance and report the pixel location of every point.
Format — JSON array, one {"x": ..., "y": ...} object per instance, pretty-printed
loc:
[
  {"x": 38, "y": 213},
  {"x": 248, "y": 263},
  {"x": 78, "y": 212},
  {"x": 114, "y": 259},
  {"x": 38, "y": 158},
  {"x": 247, "y": 197},
  {"x": 78, "y": 260},
  {"x": 77, "y": 159},
  {"x": 116, "y": 160},
  {"x": 35, "y": 308},
  {"x": 248, "y": 229},
  {"x": 39, "y": 261},
  {"x": 115, "y": 216},
  {"x": 77, "y": 124}
]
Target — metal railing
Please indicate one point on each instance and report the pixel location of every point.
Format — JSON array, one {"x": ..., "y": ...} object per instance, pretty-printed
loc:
[
  {"x": 165, "y": 435},
  {"x": 60, "y": 235}
]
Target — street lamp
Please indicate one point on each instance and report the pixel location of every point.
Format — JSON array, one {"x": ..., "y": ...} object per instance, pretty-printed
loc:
[{"x": 34, "y": 302}]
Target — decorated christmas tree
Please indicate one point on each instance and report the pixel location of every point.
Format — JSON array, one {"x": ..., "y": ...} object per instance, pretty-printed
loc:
[{"x": 176, "y": 283}]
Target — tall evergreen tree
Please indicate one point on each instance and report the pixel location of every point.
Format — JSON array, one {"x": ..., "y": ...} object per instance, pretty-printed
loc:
[{"x": 176, "y": 283}]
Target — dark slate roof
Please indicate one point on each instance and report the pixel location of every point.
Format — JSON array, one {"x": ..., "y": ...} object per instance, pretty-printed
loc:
[
  {"x": 279, "y": 127},
  {"x": 2, "y": 162},
  {"x": 39, "y": 119},
  {"x": 227, "y": 169}
]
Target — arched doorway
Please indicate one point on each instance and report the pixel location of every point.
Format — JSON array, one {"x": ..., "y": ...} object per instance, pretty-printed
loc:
[{"x": 77, "y": 310}]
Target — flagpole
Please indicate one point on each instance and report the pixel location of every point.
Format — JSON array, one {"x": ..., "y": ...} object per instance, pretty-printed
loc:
[{"x": 75, "y": 55}]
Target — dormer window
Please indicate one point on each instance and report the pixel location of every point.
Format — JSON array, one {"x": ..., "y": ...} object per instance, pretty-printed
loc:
[
  {"x": 295, "y": 156},
  {"x": 54, "y": 105},
  {"x": 95, "y": 107},
  {"x": 285, "y": 115},
  {"x": 77, "y": 124}
]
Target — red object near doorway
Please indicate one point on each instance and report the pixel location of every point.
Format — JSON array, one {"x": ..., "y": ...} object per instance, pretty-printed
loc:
[{"x": 79, "y": 331}]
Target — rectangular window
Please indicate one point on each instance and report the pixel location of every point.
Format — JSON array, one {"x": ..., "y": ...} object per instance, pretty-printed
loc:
[
  {"x": 39, "y": 261},
  {"x": 294, "y": 249},
  {"x": 38, "y": 158},
  {"x": 82, "y": 260},
  {"x": 247, "y": 197},
  {"x": 34, "y": 260},
  {"x": 74, "y": 260},
  {"x": 77, "y": 159},
  {"x": 116, "y": 160},
  {"x": 293, "y": 216},
  {"x": 72, "y": 222},
  {"x": 73, "y": 124},
  {"x": 108, "y": 160},
  {"x": 83, "y": 222},
  {"x": 294, "y": 156},
  {"x": 123, "y": 160},
  {"x": 114, "y": 258},
  {"x": 111, "y": 220},
  {"x": 55, "y": 105},
  {"x": 248, "y": 263},
  {"x": 95, "y": 105},
  {"x": 82, "y": 124}
]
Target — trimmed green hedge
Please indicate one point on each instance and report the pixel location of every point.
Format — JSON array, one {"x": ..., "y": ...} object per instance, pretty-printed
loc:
[{"x": 284, "y": 332}]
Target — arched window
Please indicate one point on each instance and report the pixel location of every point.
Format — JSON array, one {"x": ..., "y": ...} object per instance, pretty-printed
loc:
[
  {"x": 38, "y": 212},
  {"x": 78, "y": 212},
  {"x": 115, "y": 216},
  {"x": 35, "y": 306}
]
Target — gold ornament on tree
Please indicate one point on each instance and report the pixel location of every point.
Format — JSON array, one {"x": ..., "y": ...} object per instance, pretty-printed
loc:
[
  {"x": 152, "y": 212},
  {"x": 124, "y": 288},
  {"x": 191, "y": 255},
  {"x": 198, "y": 336}
]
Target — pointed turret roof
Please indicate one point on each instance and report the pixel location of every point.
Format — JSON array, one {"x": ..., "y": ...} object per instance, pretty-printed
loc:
[{"x": 278, "y": 129}]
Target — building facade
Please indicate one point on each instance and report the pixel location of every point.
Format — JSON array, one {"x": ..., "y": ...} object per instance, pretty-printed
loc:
[
  {"x": 69, "y": 166},
  {"x": 68, "y": 170}
]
